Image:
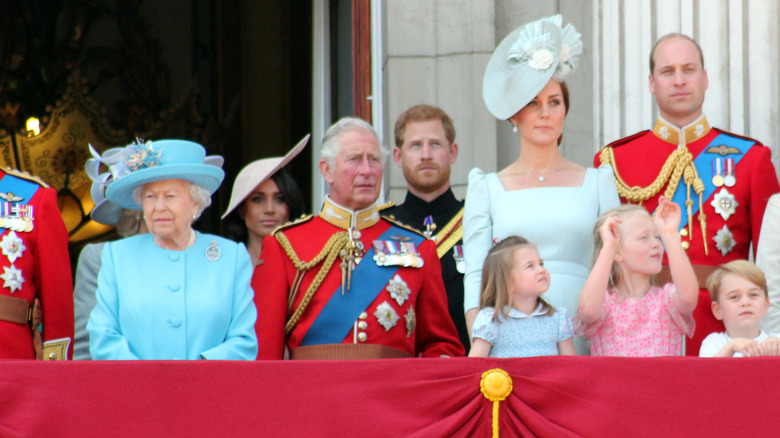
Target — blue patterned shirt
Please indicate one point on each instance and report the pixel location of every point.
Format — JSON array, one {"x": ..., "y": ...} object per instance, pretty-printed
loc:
[{"x": 521, "y": 335}]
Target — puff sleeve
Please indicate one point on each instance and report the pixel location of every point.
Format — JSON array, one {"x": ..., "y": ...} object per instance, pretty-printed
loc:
[{"x": 477, "y": 235}]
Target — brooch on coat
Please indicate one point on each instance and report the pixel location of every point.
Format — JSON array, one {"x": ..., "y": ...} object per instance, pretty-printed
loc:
[
  {"x": 13, "y": 248},
  {"x": 386, "y": 315},
  {"x": 725, "y": 204},
  {"x": 213, "y": 252}
]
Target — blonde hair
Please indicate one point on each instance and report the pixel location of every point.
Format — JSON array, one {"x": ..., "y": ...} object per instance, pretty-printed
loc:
[
  {"x": 742, "y": 268},
  {"x": 620, "y": 212},
  {"x": 497, "y": 277}
]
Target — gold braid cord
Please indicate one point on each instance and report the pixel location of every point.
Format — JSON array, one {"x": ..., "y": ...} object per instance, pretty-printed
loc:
[
  {"x": 678, "y": 164},
  {"x": 670, "y": 173},
  {"x": 329, "y": 253},
  {"x": 450, "y": 233}
]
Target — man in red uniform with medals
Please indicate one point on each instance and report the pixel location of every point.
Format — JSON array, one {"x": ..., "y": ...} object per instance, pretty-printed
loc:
[
  {"x": 35, "y": 266},
  {"x": 349, "y": 283},
  {"x": 721, "y": 181}
]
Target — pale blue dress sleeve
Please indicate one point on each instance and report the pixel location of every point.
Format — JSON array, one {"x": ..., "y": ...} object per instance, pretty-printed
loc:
[
  {"x": 105, "y": 336},
  {"x": 241, "y": 338},
  {"x": 565, "y": 325},
  {"x": 477, "y": 235},
  {"x": 608, "y": 195},
  {"x": 484, "y": 326}
]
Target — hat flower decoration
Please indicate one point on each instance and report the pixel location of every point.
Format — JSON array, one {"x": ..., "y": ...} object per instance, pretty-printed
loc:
[
  {"x": 104, "y": 211},
  {"x": 525, "y": 61},
  {"x": 571, "y": 49},
  {"x": 141, "y": 155},
  {"x": 534, "y": 46}
]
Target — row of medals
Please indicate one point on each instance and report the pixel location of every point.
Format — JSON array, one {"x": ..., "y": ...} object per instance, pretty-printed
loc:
[
  {"x": 724, "y": 203},
  {"x": 12, "y": 245},
  {"x": 22, "y": 225}
]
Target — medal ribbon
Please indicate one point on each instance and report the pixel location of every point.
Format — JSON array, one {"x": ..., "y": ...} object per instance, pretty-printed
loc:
[
  {"x": 19, "y": 187},
  {"x": 339, "y": 314},
  {"x": 680, "y": 195}
]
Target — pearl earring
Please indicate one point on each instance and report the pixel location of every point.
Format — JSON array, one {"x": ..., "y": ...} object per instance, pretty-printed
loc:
[{"x": 514, "y": 129}]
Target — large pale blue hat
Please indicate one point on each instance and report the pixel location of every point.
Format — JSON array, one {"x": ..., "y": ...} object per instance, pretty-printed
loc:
[
  {"x": 525, "y": 61},
  {"x": 145, "y": 162}
]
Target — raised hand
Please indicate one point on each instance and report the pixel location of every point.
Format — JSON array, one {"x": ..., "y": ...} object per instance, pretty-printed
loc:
[
  {"x": 667, "y": 217},
  {"x": 609, "y": 232}
]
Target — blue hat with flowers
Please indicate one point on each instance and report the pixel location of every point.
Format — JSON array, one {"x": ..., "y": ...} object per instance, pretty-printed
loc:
[
  {"x": 144, "y": 162},
  {"x": 524, "y": 63}
]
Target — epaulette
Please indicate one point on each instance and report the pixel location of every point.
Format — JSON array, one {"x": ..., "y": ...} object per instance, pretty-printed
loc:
[
  {"x": 395, "y": 222},
  {"x": 25, "y": 176},
  {"x": 301, "y": 220},
  {"x": 385, "y": 206},
  {"x": 625, "y": 140},
  {"x": 731, "y": 134}
]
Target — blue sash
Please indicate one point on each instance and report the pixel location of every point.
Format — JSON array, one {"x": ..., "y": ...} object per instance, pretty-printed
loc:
[
  {"x": 339, "y": 314},
  {"x": 704, "y": 168},
  {"x": 18, "y": 187}
]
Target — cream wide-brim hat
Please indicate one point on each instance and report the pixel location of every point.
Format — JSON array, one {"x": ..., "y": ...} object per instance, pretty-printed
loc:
[
  {"x": 257, "y": 172},
  {"x": 512, "y": 77}
]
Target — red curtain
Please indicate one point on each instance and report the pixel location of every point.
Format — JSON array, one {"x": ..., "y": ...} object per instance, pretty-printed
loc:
[{"x": 553, "y": 396}]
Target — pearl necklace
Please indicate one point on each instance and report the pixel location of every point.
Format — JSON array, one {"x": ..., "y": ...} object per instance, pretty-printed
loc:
[{"x": 193, "y": 238}]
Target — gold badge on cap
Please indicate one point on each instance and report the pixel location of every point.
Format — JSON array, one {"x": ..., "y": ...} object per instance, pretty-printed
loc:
[
  {"x": 386, "y": 315},
  {"x": 724, "y": 203},
  {"x": 724, "y": 240}
]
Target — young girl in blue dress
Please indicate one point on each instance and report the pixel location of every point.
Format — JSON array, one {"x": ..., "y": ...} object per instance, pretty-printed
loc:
[{"x": 513, "y": 280}]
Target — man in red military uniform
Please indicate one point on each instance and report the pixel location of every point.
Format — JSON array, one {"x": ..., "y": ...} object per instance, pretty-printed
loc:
[
  {"x": 348, "y": 283},
  {"x": 35, "y": 264},
  {"x": 721, "y": 181}
]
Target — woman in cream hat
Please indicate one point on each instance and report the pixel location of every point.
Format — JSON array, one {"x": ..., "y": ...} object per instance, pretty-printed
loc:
[
  {"x": 542, "y": 196},
  {"x": 266, "y": 196},
  {"x": 173, "y": 293}
]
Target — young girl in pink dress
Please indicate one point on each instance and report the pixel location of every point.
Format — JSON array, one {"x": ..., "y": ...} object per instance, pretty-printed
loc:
[{"x": 620, "y": 310}]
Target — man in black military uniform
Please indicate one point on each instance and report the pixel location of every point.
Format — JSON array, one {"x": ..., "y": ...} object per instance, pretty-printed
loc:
[{"x": 425, "y": 149}]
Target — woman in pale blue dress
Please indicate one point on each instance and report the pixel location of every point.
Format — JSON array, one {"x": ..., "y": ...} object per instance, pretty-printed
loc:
[{"x": 542, "y": 196}]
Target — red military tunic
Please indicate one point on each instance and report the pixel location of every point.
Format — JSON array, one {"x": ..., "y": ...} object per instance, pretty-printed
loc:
[
  {"x": 34, "y": 262},
  {"x": 418, "y": 325},
  {"x": 732, "y": 226}
]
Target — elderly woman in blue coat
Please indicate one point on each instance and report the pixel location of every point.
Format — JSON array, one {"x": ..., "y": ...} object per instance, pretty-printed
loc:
[{"x": 173, "y": 293}]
